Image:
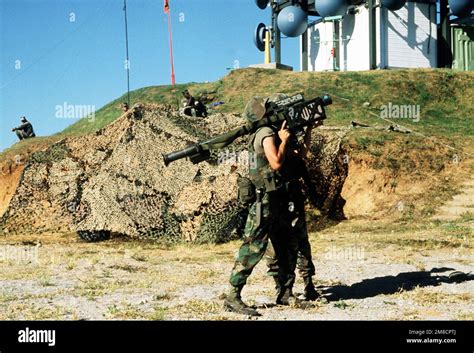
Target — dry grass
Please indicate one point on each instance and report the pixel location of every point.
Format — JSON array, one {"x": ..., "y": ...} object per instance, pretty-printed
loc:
[
  {"x": 32, "y": 311},
  {"x": 466, "y": 316},
  {"x": 131, "y": 280},
  {"x": 417, "y": 234},
  {"x": 124, "y": 311},
  {"x": 429, "y": 297}
]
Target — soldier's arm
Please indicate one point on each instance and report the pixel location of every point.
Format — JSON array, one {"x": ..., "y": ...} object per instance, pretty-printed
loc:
[
  {"x": 23, "y": 126},
  {"x": 276, "y": 154}
]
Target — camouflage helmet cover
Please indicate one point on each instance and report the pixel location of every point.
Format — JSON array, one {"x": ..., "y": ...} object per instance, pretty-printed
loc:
[
  {"x": 256, "y": 107},
  {"x": 276, "y": 97}
]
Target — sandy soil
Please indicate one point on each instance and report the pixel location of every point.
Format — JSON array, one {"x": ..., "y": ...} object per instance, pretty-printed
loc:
[{"x": 460, "y": 204}]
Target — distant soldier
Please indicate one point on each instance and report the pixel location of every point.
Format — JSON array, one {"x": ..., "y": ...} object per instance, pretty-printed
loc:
[
  {"x": 125, "y": 107},
  {"x": 25, "y": 130},
  {"x": 193, "y": 107}
]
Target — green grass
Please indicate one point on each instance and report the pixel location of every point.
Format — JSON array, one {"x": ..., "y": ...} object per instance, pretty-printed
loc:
[
  {"x": 403, "y": 153},
  {"x": 444, "y": 96},
  {"x": 372, "y": 139}
]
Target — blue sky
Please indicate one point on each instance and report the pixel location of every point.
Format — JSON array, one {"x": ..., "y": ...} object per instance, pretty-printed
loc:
[{"x": 47, "y": 59}]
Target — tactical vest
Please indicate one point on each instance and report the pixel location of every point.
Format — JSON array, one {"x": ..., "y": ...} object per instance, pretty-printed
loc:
[
  {"x": 260, "y": 173},
  {"x": 263, "y": 176}
]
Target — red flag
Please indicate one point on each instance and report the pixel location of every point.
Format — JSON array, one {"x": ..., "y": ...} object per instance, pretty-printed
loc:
[{"x": 167, "y": 6}]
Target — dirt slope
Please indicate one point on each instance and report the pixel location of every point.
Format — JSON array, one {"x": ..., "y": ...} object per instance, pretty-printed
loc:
[
  {"x": 10, "y": 177},
  {"x": 461, "y": 204}
]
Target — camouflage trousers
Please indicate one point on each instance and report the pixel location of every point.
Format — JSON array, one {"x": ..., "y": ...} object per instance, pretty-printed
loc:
[
  {"x": 304, "y": 259},
  {"x": 293, "y": 221},
  {"x": 274, "y": 226}
]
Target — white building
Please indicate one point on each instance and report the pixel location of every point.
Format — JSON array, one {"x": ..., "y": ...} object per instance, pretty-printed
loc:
[{"x": 406, "y": 38}]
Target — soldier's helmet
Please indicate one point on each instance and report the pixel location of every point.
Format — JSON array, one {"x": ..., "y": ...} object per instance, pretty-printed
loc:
[
  {"x": 276, "y": 97},
  {"x": 256, "y": 107}
]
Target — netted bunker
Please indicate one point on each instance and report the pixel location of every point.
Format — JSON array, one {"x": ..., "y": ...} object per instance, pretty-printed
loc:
[{"x": 115, "y": 182}]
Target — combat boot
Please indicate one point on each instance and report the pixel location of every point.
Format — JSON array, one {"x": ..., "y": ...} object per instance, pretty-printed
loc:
[
  {"x": 282, "y": 296},
  {"x": 277, "y": 285},
  {"x": 233, "y": 302},
  {"x": 310, "y": 292},
  {"x": 285, "y": 296}
]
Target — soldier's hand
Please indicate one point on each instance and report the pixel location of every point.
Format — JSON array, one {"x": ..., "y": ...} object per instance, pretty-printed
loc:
[{"x": 284, "y": 133}]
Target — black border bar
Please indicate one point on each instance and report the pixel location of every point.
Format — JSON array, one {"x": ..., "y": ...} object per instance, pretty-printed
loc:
[{"x": 242, "y": 336}]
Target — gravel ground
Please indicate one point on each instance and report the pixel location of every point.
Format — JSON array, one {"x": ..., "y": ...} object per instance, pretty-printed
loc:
[{"x": 360, "y": 275}]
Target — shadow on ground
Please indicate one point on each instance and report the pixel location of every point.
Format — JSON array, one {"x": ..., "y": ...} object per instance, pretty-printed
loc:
[{"x": 392, "y": 284}]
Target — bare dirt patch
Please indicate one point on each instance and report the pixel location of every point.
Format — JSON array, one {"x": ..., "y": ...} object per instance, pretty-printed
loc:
[{"x": 460, "y": 205}]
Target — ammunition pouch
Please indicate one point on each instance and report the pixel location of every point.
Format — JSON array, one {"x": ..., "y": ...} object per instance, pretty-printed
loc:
[
  {"x": 246, "y": 192},
  {"x": 272, "y": 182},
  {"x": 269, "y": 182}
]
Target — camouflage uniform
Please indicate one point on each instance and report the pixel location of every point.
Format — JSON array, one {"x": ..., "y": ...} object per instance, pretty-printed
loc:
[
  {"x": 296, "y": 171},
  {"x": 273, "y": 223},
  {"x": 299, "y": 231},
  {"x": 264, "y": 222},
  {"x": 293, "y": 223},
  {"x": 278, "y": 216}
]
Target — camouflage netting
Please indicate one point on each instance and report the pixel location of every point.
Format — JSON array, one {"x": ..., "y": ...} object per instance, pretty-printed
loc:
[
  {"x": 328, "y": 166},
  {"x": 115, "y": 181}
]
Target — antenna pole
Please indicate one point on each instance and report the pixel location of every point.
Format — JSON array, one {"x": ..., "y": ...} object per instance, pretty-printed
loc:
[
  {"x": 167, "y": 10},
  {"x": 268, "y": 57},
  {"x": 276, "y": 40},
  {"x": 372, "y": 35},
  {"x": 127, "y": 63}
]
